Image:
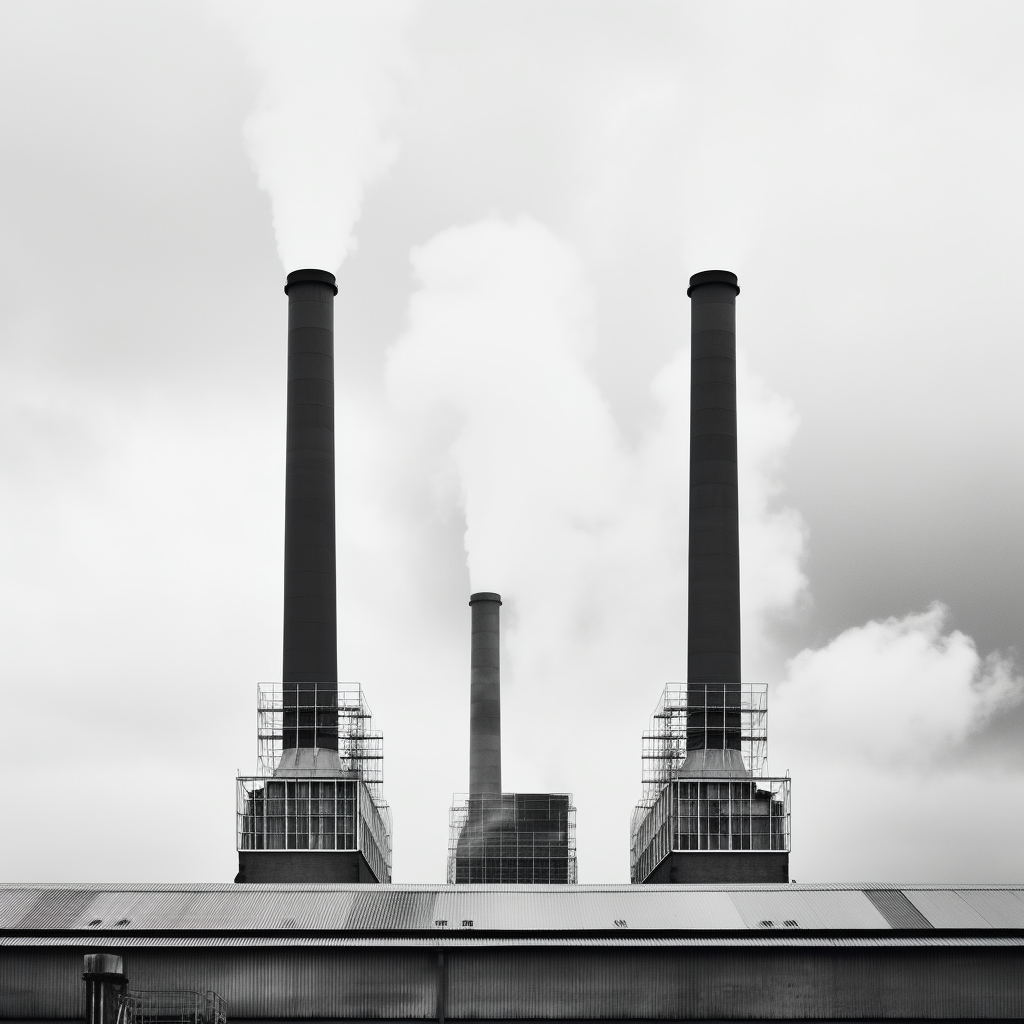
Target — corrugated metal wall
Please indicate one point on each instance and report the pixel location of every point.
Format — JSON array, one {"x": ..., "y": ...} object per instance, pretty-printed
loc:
[
  {"x": 735, "y": 983},
  {"x": 539, "y": 983},
  {"x": 254, "y": 983}
]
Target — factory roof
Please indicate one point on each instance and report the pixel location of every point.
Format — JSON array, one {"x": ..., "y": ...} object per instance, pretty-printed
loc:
[{"x": 346, "y": 914}]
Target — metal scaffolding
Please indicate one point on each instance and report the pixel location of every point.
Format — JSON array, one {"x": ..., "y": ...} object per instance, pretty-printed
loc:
[
  {"x": 702, "y": 711},
  {"x": 314, "y": 715},
  {"x": 525, "y": 838},
  {"x": 319, "y": 782}
]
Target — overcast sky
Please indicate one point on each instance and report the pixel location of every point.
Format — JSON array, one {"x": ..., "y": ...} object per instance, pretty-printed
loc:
[{"x": 513, "y": 196}]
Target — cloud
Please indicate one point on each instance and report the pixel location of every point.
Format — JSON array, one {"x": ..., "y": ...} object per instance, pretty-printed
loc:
[
  {"x": 329, "y": 72},
  {"x": 871, "y": 726},
  {"x": 900, "y": 693}
]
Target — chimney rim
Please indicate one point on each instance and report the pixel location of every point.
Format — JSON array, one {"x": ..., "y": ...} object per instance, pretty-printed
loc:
[
  {"x": 713, "y": 277},
  {"x": 484, "y": 595},
  {"x": 311, "y": 274}
]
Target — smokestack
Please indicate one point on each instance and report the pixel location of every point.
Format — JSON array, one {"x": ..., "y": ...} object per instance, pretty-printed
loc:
[
  {"x": 485, "y": 698},
  {"x": 310, "y": 584},
  {"x": 713, "y": 642}
]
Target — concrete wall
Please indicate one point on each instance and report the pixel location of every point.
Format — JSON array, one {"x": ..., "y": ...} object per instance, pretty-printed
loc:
[
  {"x": 720, "y": 868},
  {"x": 303, "y": 866}
]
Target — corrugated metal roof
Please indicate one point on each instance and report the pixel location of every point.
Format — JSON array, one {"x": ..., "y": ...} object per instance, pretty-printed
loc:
[
  {"x": 624, "y": 940},
  {"x": 946, "y": 908},
  {"x": 815, "y": 910},
  {"x": 894, "y": 906},
  {"x": 444, "y": 909},
  {"x": 566, "y": 909},
  {"x": 1001, "y": 910}
]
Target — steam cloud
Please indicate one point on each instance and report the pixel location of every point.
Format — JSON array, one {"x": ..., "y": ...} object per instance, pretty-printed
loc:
[{"x": 329, "y": 71}]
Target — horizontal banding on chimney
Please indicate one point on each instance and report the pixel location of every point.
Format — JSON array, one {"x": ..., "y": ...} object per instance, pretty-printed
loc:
[{"x": 321, "y": 276}]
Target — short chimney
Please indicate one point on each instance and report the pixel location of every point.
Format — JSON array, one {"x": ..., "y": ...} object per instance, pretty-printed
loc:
[
  {"x": 105, "y": 983},
  {"x": 485, "y": 698}
]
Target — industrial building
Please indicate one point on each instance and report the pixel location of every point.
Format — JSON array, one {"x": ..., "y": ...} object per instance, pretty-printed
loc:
[
  {"x": 496, "y": 837},
  {"x": 528, "y": 952},
  {"x": 312, "y": 929}
]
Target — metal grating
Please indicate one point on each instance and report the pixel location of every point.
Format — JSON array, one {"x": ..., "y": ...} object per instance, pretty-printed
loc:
[{"x": 517, "y": 838}]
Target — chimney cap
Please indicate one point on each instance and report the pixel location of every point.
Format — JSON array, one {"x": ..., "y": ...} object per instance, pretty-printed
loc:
[
  {"x": 323, "y": 276},
  {"x": 484, "y": 595},
  {"x": 713, "y": 277}
]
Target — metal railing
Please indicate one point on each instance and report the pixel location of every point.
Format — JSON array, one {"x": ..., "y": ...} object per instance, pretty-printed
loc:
[
  {"x": 171, "y": 1008},
  {"x": 314, "y": 814},
  {"x": 738, "y": 815}
]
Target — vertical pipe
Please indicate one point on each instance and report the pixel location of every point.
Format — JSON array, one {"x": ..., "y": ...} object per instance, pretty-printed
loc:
[
  {"x": 713, "y": 636},
  {"x": 485, "y": 698},
  {"x": 105, "y": 983},
  {"x": 310, "y": 585}
]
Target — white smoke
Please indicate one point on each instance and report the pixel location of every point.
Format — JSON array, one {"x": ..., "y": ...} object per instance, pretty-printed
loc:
[
  {"x": 500, "y": 332},
  {"x": 328, "y": 72}
]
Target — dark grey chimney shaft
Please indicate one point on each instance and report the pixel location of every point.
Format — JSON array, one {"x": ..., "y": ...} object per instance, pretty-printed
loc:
[
  {"x": 310, "y": 584},
  {"x": 713, "y": 639},
  {"x": 485, "y": 698}
]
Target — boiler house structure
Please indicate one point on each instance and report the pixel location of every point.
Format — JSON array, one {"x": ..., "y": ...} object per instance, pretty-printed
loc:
[{"x": 496, "y": 837}]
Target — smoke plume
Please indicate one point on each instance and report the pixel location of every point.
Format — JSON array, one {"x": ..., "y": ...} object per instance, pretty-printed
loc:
[{"x": 328, "y": 73}]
